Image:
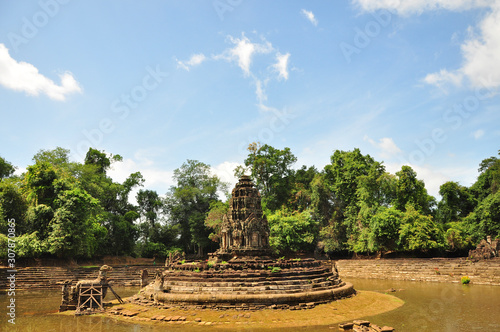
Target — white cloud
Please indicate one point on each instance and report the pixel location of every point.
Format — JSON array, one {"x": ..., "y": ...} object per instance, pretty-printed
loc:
[
  {"x": 259, "y": 91},
  {"x": 310, "y": 16},
  {"x": 406, "y": 7},
  {"x": 155, "y": 179},
  {"x": 23, "y": 76},
  {"x": 195, "y": 60},
  {"x": 442, "y": 77},
  {"x": 481, "y": 51},
  {"x": 243, "y": 51},
  {"x": 281, "y": 66},
  {"x": 225, "y": 172},
  {"x": 386, "y": 146},
  {"x": 478, "y": 134}
]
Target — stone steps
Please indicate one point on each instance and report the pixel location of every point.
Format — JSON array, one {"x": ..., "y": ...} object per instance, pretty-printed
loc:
[
  {"x": 249, "y": 283},
  {"x": 435, "y": 270},
  {"x": 272, "y": 289},
  {"x": 263, "y": 281},
  {"x": 53, "y": 277},
  {"x": 300, "y": 279}
]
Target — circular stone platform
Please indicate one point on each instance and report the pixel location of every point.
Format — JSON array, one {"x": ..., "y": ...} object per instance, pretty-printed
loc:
[{"x": 250, "y": 283}]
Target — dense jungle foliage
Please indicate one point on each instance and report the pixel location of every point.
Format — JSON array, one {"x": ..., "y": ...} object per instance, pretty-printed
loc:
[{"x": 75, "y": 210}]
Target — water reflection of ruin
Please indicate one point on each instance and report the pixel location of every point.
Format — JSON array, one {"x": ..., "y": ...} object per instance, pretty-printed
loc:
[
  {"x": 243, "y": 273},
  {"x": 244, "y": 231}
]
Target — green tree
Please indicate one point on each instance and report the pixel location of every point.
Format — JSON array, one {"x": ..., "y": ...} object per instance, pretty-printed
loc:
[
  {"x": 40, "y": 180},
  {"x": 410, "y": 190},
  {"x": 300, "y": 194},
  {"x": 344, "y": 173},
  {"x": 271, "y": 169},
  {"x": 292, "y": 231},
  {"x": 457, "y": 237},
  {"x": 215, "y": 218},
  {"x": 39, "y": 217},
  {"x": 188, "y": 202},
  {"x": 12, "y": 205},
  {"x": 485, "y": 220},
  {"x": 353, "y": 179},
  {"x": 116, "y": 213},
  {"x": 61, "y": 217},
  {"x": 326, "y": 210},
  {"x": 58, "y": 157},
  {"x": 384, "y": 227},
  {"x": 150, "y": 206},
  {"x": 100, "y": 160},
  {"x": 419, "y": 232},
  {"x": 76, "y": 209},
  {"x": 71, "y": 228},
  {"x": 456, "y": 202},
  {"x": 323, "y": 200},
  {"x": 488, "y": 181},
  {"x": 30, "y": 245},
  {"x": 6, "y": 168}
]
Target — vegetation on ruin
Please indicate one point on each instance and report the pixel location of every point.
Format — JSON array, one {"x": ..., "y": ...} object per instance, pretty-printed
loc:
[{"x": 353, "y": 205}]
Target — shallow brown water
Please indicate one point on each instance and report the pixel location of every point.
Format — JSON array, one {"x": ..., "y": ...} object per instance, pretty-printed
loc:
[
  {"x": 428, "y": 307},
  {"x": 438, "y": 306}
]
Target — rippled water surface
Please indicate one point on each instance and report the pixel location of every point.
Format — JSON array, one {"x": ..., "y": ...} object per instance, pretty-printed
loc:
[{"x": 428, "y": 307}]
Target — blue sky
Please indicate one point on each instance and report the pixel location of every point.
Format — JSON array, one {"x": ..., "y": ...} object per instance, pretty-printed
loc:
[{"x": 160, "y": 82}]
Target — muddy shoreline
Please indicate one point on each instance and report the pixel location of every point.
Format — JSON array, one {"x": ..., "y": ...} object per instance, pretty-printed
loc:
[{"x": 365, "y": 303}]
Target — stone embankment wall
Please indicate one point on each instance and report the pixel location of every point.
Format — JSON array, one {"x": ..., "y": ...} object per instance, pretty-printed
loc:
[
  {"x": 486, "y": 272},
  {"x": 52, "y": 277}
]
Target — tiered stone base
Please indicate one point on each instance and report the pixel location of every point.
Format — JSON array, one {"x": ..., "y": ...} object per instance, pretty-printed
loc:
[
  {"x": 251, "y": 283},
  {"x": 242, "y": 254}
]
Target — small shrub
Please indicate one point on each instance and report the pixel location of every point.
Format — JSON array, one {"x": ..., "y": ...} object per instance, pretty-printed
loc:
[
  {"x": 210, "y": 264},
  {"x": 224, "y": 263},
  {"x": 197, "y": 269},
  {"x": 296, "y": 259},
  {"x": 183, "y": 261},
  {"x": 465, "y": 280},
  {"x": 276, "y": 269}
]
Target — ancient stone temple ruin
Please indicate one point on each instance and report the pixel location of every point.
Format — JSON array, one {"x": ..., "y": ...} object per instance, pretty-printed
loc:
[
  {"x": 486, "y": 249},
  {"x": 242, "y": 273},
  {"x": 245, "y": 231}
]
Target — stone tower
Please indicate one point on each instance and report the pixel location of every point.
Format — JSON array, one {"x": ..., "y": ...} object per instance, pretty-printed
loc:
[{"x": 245, "y": 231}]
